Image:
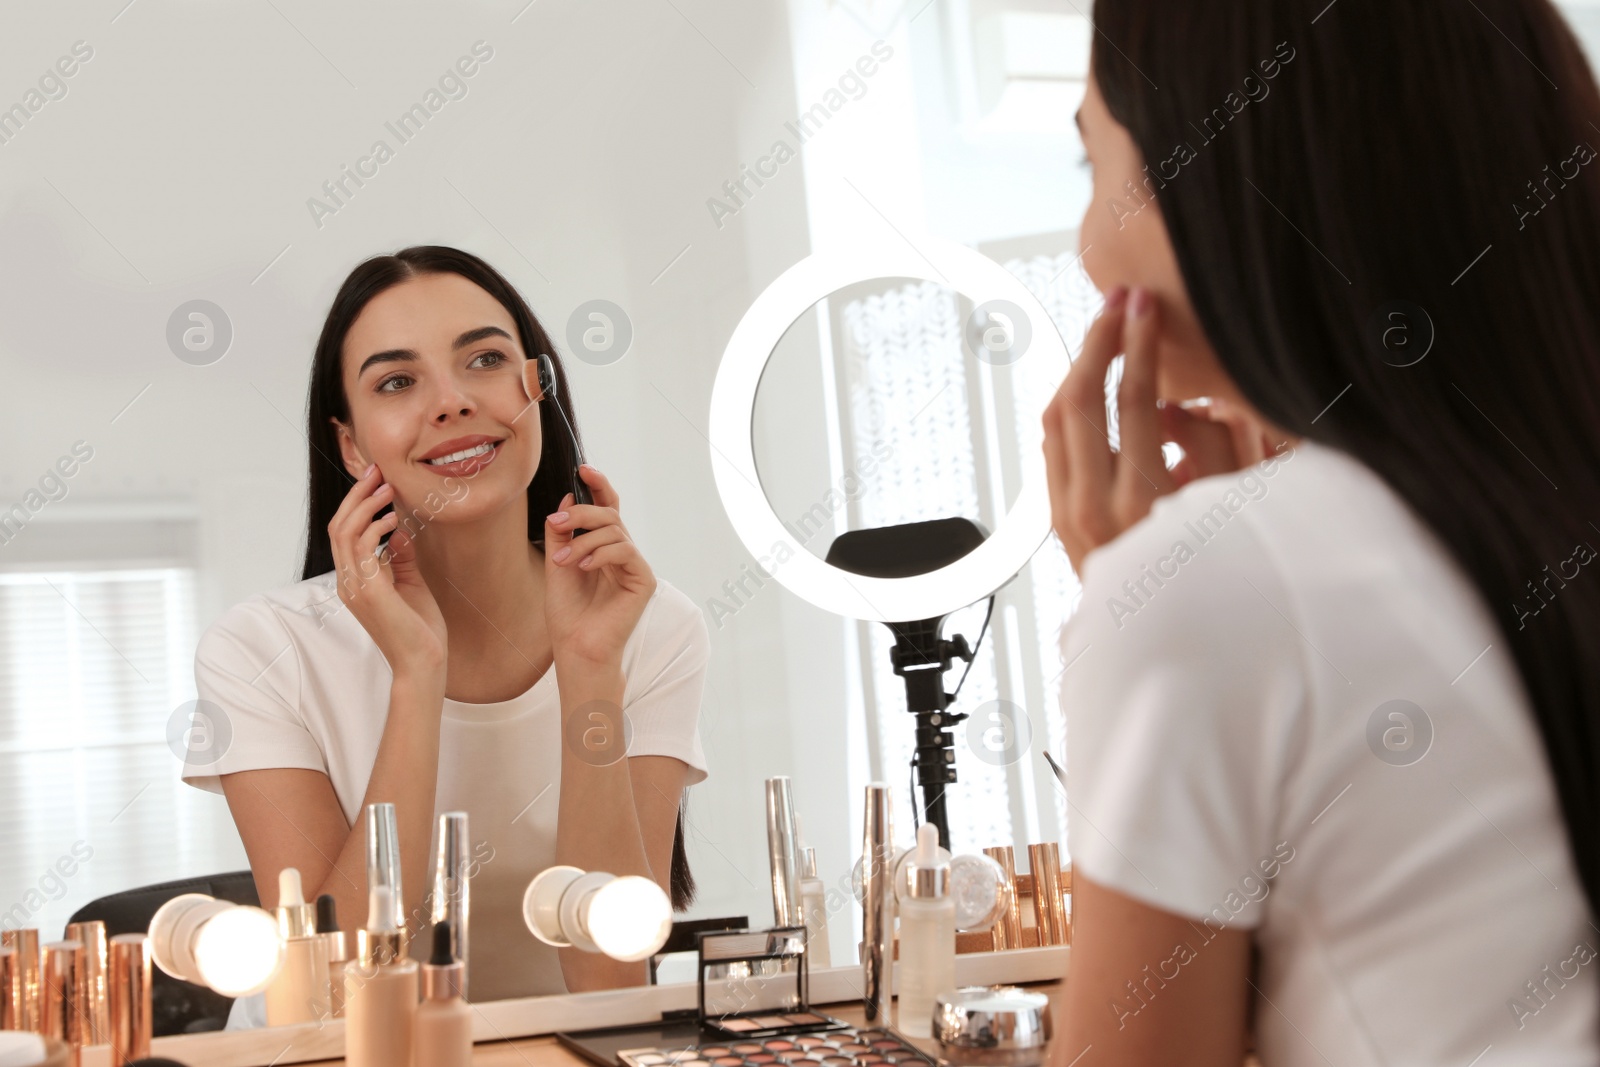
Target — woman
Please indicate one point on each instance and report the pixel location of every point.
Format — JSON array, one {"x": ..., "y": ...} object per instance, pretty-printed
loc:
[
  {"x": 1332, "y": 733},
  {"x": 481, "y": 661}
]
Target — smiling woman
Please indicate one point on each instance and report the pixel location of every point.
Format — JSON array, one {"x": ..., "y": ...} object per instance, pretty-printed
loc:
[{"x": 498, "y": 614}]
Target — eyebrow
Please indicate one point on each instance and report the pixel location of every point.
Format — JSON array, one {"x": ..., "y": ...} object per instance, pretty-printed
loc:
[{"x": 408, "y": 355}]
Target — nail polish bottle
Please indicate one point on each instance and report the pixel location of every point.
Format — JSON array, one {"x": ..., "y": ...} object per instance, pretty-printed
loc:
[
  {"x": 380, "y": 990},
  {"x": 443, "y": 1025},
  {"x": 338, "y": 952},
  {"x": 299, "y": 994}
]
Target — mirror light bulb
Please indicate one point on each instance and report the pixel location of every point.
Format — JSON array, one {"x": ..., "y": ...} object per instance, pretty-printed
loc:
[
  {"x": 629, "y": 918},
  {"x": 238, "y": 951}
]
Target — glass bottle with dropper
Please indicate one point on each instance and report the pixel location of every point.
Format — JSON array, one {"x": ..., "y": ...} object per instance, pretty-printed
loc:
[
  {"x": 443, "y": 1025},
  {"x": 927, "y": 934},
  {"x": 338, "y": 952}
]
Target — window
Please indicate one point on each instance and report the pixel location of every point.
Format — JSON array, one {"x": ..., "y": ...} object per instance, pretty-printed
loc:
[
  {"x": 956, "y": 428},
  {"x": 95, "y": 657}
]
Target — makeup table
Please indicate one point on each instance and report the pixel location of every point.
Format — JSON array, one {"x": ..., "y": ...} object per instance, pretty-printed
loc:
[{"x": 546, "y": 1051}]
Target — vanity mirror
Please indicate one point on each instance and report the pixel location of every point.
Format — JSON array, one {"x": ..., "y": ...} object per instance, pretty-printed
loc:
[{"x": 159, "y": 336}]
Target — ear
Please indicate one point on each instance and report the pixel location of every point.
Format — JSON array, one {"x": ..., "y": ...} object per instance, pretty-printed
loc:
[
  {"x": 530, "y": 380},
  {"x": 354, "y": 462}
]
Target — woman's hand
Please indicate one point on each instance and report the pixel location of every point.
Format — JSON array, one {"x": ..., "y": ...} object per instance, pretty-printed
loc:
[
  {"x": 1096, "y": 493},
  {"x": 596, "y": 585},
  {"x": 385, "y": 592}
]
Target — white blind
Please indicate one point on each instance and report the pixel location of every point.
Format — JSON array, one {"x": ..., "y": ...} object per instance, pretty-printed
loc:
[
  {"x": 94, "y": 661},
  {"x": 955, "y": 427}
]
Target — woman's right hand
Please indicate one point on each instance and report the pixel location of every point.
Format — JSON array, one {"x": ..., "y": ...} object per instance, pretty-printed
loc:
[{"x": 386, "y": 592}]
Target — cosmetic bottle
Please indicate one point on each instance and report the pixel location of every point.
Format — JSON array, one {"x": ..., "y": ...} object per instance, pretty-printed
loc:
[
  {"x": 299, "y": 994},
  {"x": 442, "y": 1031},
  {"x": 383, "y": 861},
  {"x": 128, "y": 994},
  {"x": 26, "y": 991},
  {"x": 96, "y": 1009},
  {"x": 927, "y": 934},
  {"x": 338, "y": 952},
  {"x": 451, "y": 885},
  {"x": 877, "y": 906},
  {"x": 814, "y": 905},
  {"x": 783, "y": 855},
  {"x": 64, "y": 990},
  {"x": 380, "y": 990}
]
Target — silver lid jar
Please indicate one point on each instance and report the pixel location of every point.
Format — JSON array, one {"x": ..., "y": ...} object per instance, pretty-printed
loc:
[{"x": 992, "y": 1026}]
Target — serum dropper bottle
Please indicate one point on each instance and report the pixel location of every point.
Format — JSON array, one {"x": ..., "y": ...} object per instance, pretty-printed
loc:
[
  {"x": 380, "y": 990},
  {"x": 443, "y": 1029},
  {"x": 338, "y": 952},
  {"x": 927, "y": 934}
]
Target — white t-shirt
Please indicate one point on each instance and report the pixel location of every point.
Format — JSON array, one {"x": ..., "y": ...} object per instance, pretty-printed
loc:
[
  {"x": 1234, "y": 757},
  {"x": 302, "y": 684}
]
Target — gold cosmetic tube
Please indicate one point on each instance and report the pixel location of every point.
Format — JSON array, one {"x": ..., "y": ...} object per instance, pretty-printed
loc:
[
  {"x": 1007, "y": 932},
  {"x": 63, "y": 995},
  {"x": 9, "y": 1007},
  {"x": 96, "y": 1009},
  {"x": 27, "y": 992},
  {"x": 1049, "y": 911},
  {"x": 128, "y": 977}
]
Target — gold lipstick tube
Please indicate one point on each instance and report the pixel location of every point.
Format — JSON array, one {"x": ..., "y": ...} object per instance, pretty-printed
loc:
[{"x": 129, "y": 979}]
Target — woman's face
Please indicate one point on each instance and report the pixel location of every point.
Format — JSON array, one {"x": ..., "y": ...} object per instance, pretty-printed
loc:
[
  {"x": 428, "y": 362},
  {"x": 1124, "y": 241}
]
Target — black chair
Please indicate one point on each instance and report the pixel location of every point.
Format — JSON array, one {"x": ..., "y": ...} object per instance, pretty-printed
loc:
[{"x": 177, "y": 1007}]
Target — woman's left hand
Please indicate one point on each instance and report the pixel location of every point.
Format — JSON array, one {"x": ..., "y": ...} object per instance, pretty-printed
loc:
[{"x": 597, "y": 584}]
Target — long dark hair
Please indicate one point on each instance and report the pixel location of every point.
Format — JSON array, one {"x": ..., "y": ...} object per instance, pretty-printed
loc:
[
  {"x": 330, "y": 482},
  {"x": 1402, "y": 155}
]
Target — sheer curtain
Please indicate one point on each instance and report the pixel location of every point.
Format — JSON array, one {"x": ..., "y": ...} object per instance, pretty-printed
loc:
[{"x": 957, "y": 428}]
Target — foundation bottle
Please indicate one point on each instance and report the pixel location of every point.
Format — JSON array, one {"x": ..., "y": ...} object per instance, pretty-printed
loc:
[
  {"x": 338, "y": 952},
  {"x": 299, "y": 994},
  {"x": 443, "y": 1027},
  {"x": 380, "y": 990}
]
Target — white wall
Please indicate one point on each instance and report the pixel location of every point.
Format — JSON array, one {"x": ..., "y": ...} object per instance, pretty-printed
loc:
[{"x": 178, "y": 166}]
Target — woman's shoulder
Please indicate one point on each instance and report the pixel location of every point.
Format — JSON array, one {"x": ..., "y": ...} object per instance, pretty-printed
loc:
[
  {"x": 1268, "y": 523},
  {"x": 273, "y": 615},
  {"x": 671, "y": 624}
]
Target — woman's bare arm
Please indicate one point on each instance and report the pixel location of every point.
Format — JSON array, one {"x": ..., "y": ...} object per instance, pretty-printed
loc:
[
  {"x": 617, "y": 813},
  {"x": 1147, "y": 986},
  {"x": 290, "y": 817}
]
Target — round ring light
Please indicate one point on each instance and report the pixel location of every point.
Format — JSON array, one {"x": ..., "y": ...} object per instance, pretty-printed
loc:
[{"x": 733, "y": 461}]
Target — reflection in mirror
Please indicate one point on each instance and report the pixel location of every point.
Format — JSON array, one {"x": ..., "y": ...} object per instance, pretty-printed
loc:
[
  {"x": 156, "y": 480},
  {"x": 927, "y": 403}
]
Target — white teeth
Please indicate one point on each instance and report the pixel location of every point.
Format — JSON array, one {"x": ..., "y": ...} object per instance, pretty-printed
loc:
[{"x": 456, "y": 457}]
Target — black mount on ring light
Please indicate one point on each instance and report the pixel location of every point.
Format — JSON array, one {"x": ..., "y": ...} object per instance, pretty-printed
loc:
[{"x": 920, "y": 655}]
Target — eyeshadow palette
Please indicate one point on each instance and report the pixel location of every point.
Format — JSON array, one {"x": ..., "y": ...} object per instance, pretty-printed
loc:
[
  {"x": 774, "y": 1024},
  {"x": 847, "y": 1047}
]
